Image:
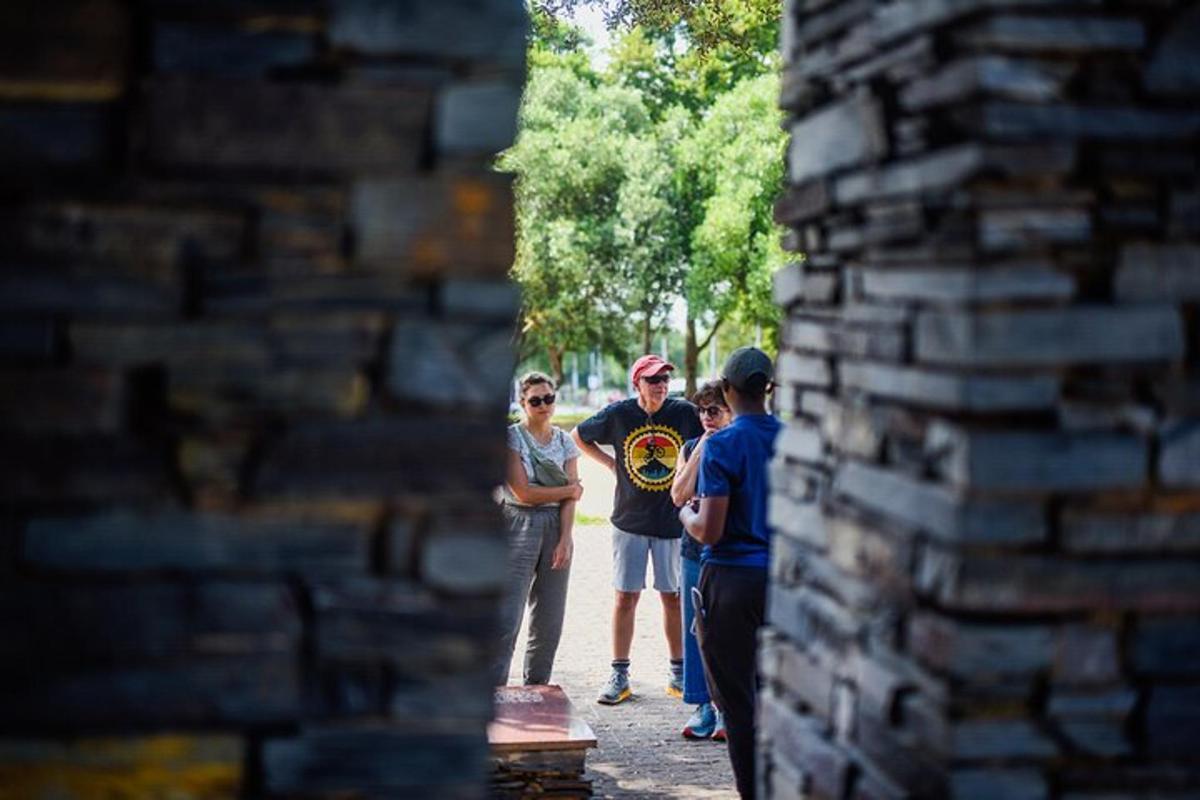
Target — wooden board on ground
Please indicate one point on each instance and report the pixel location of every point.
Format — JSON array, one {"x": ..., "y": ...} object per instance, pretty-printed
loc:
[{"x": 537, "y": 718}]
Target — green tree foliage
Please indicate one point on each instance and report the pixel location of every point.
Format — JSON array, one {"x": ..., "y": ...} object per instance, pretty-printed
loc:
[
  {"x": 652, "y": 266},
  {"x": 727, "y": 29},
  {"x": 650, "y": 182},
  {"x": 550, "y": 35},
  {"x": 735, "y": 161},
  {"x": 593, "y": 224}
]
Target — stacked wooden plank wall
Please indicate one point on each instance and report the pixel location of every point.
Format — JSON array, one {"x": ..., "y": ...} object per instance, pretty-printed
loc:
[
  {"x": 254, "y": 360},
  {"x": 987, "y": 499}
]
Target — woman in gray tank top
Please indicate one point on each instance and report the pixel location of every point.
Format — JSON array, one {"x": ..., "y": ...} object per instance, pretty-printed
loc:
[{"x": 540, "y": 490}]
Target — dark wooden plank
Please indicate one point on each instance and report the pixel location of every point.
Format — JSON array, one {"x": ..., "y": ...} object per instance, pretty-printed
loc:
[
  {"x": 108, "y": 469},
  {"x": 28, "y": 340},
  {"x": 210, "y": 690},
  {"x": 1047, "y": 584},
  {"x": 942, "y": 511},
  {"x": 458, "y": 30},
  {"x": 152, "y": 242},
  {"x": 1150, "y": 272},
  {"x": 1173, "y": 720},
  {"x": 375, "y": 760},
  {"x": 842, "y": 135},
  {"x": 401, "y": 624},
  {"x": 1166, "y": 647},
  {"x": 244, "y": 52},
  {"x": 1005, "y": 120},
  {"x": 71, "y": 50},
  {"x": 394, "y": 456},
  {"x": 76, "y": 626},
  {"x": 129, "y": 541},
  {"x": 799, "y": 739},
  {"x": 1056, "y": 35},
  {"x": 442, "y": 226},
  {"x": 62, "y": 400},
  {"x": 1039, "y": 461},
  {"x": 209, "y": 765},
  {"x": 257, "y": 125},
  {"x": 1081, "y": 334},
  {"x": 1084, "y": 530},
  {"x": 32, "y": 290},
  {"x": 1174, "y": 68},
  {"x": 953, "y": 391},
  {"x": 975, "y": 651}
]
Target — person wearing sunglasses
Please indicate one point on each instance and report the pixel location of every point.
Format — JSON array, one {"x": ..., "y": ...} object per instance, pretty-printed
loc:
[
  {"x": 646, "y": 432},
  {"x": 731, "y": 520},
  {"x": 706, "y": 721},
  {"x": 540, "y": 490}
]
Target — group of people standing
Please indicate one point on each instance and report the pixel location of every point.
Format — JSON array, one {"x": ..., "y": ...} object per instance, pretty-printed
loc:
[{"x": 690, "y": 503}]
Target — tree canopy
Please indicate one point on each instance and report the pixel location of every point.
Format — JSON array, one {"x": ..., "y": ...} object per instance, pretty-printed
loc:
[
  {"x": 734, "y": 160},
  {"x": 746, "y": 29},
  {"x": 649, "y": 183}
]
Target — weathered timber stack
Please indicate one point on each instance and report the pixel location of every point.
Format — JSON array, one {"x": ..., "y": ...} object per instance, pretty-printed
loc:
[
  {"x": 987, "y": 498},
  {"x": 539, "y": 745},
  {"x": 254, "y": 356}
]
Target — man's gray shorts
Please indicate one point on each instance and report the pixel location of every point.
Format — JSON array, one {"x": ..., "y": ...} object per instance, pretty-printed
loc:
[{"x": 630, "y": 553}]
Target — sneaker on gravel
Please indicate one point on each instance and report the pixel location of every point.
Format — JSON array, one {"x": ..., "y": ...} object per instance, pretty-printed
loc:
[
  {"x": 718, "y": 734},
  {"x": 616, "y": 690},
  {"x": 675, "y": 687},
  {"x": 702, "y": 723}
]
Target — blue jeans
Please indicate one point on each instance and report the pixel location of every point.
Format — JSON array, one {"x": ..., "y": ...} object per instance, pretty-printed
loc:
[{"x": 695, "y": 689}]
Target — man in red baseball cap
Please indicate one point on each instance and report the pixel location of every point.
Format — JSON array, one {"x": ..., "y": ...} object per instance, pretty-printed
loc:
[
  {"x": 647, "y": 366},
  {"x": 646, "y": 432}
]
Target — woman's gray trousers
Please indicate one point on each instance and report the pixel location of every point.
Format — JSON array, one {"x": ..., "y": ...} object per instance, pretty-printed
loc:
[{"x": 533, "y": 534}]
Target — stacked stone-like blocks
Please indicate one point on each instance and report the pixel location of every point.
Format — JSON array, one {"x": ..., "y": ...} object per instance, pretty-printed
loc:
[
  {"x": 254, "y": 361},
  {"x": 987, "y": 496}
]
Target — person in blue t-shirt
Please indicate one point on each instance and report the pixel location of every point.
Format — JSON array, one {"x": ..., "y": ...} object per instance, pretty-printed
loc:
[
  {"x": 706, "y": 721},
  {"x": 730, "y": 519}
]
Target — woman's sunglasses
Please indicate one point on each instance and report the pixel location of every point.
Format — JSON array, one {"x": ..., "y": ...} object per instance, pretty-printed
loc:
[
  {"x": 548, "y": 399},
  {"x": 711, "y": 411},
  {"x": 657, "y": 379}
]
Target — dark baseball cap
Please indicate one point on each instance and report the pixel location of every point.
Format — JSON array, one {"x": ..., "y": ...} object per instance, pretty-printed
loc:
[{"x": 748, "y": 369}]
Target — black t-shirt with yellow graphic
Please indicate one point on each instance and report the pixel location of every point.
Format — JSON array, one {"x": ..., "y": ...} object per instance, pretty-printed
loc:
[{"x": 647, "y": 449}]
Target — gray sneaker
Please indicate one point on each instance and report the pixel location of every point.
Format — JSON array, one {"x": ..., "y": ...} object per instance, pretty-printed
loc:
[{"x": 616, "y": 690}]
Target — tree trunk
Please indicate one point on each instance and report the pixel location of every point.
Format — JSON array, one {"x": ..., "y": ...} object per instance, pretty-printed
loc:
[
  {"x": 555, "y": 356},
  {"x": 646, "y": 334},
  {"x": 693, "y": 349},
  {"x": 691, "y": 357}
]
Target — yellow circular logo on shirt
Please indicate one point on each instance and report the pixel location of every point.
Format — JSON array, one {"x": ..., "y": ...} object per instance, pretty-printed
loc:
[{"x": 651, "y": 453}]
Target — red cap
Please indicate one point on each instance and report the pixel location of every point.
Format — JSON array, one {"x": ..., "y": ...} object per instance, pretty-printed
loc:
[{"x": 646, "y": 366}]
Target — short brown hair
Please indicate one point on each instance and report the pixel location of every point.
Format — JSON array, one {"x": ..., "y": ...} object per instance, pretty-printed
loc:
[
  {"x": 709, "y": 394},
  {"x": 533, "y": 379}
]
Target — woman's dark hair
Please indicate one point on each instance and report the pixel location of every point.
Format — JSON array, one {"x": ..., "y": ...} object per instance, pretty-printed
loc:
[
  {"x": 710, "y": 393},
  {"x": 533, "y": 379}
]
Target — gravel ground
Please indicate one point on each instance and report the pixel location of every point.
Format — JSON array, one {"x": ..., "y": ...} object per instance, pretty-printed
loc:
[{"x": 641, "y": 752}]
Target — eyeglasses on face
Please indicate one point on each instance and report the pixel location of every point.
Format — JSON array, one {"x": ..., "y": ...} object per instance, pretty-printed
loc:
[
  {"x": 548, "y": 399},
  {"x": 711, "y": 411},
  {"x": 656, "y": 379}
]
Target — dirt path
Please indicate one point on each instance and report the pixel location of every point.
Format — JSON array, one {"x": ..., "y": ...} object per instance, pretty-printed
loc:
[{"x": 641, "y": 752}]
